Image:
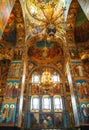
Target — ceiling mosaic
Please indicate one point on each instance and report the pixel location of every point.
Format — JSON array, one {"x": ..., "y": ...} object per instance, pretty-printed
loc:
[
  {"x": 41, "y": 16},
  {"x": 85, "y": 6},
  {"x": 5, "y": 10},
  {"x": 8, "y": 39},
  {"x": 7, "y": 5},
  {"x": 47, "y": 20},
  {"x": 81, "y": 27},
  {"x": 80, "y": 18},
  {"x": 44, "y": 52},
  {"x": 9, "y": 34}
]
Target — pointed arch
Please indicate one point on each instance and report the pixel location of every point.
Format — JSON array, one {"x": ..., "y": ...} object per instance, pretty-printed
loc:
[{"x": 70, "y": 24}]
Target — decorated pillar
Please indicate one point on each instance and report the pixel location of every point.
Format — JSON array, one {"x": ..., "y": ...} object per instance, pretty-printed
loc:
[
  {"x": 19, "y": 56},
  {"x": 4, "y": 67},
  {"x": 72, "y": 102},
  {"x": 13, "y": 98},
  {"x": 76, "y": 75}
]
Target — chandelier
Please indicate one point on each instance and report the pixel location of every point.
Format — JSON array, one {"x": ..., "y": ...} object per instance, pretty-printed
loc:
[
  {"x": 46, "y": 17},
  {"x": 46, "y": 78}
]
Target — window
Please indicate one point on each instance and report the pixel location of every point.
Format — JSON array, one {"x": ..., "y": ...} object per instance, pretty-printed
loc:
[
  {"x": 46, "y": 103},
  {"x": 35, "y": 103},
  {"x": 57, "y": 103},
  {"x": 55, "y": 77},
  {"x": 35, "y": 78}
]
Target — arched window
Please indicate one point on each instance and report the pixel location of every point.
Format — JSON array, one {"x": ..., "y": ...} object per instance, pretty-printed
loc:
[
  {"x": 35, "y": 103},
  {"x": 57, "y": 100},
  {"x": 55, "y": 77},
  {"x": 35, "y": 78},
  {"x": 46, "y": 103}
]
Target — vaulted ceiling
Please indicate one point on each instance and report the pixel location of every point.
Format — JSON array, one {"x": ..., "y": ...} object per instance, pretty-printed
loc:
[
  {"x": 53, "y": 51},
  {"x": 81, "y": 27}
]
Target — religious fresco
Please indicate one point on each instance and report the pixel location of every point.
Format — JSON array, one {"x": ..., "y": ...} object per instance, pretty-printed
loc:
[
  {"x": 43, "y": 1},
  {"x": 77, "y": 68},
  {"x": 15, "y": 69},
  {"x": 80, "y": 18},
  {"x": 73, "y": 52},
  {"x": 67, "y": 87},
  {"x": 81, "y": 27},
  {"x": 8, "y": 39},
  {"x": 46, "y": 113},
  {"x": 35, "y": 25},
  {"x": 12, "y": 89},
  {"x": 82, "y": 32},
  {"x": 8, "y": 113},
  {"x": 59, "y": 65},
  {"x": 73, "y": 96},
  {"x": 70, "y": 37},
  {"x": 9, "y": 33},
  {"x": 35, "y": 89},
  {"x": 68, "y": 99},
  {"x": 71, "y": 22},
  {"x": 31, "y": 65},
  {"x": 58, "y": 120},
  {"x": 40, "y": 90},
  {"x": 18, "y": 52},
  {"x": 46, "y": 120},
  {"x": 5, "y": 10},
  {"x": 86, "y": 64},
  {"x": 68, "y": 74},
  {"x": 1, "y": 100},
  {"x": 11, "y": 92},
  {"x": 4, "y": 68},
  {"x": 6, "y": 53},
  {"x": 68, "y": 115},
  {"x": 42, "y": 51},
  {"x": 38, "y": 27},
  {"x": 14, "y": 31},
  {"x": 69, "y": 110},
  {"x": 34, "y": 120},
  {"x": 82, "y": 89},
  {"x": 85, "y": 6},
  {"x": 84, "y": 112}
]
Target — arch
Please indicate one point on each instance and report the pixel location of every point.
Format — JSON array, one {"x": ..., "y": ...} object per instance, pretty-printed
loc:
[
  {"x": 20, "y": 25},
  {"x": 13, "y": 33},
  {"x": 49, "y": 66},
  {"x": 70, "y": 24}
]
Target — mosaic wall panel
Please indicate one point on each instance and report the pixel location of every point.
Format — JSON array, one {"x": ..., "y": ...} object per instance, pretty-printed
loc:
[{"x": 8, "y": 113}]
